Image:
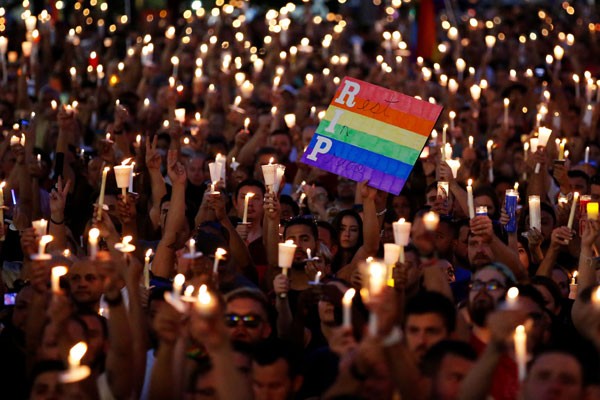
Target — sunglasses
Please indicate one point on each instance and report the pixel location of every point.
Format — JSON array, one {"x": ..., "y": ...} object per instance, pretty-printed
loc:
[
  {"x": 489, "y": 286},
  {"x": 249, "y": 320}
]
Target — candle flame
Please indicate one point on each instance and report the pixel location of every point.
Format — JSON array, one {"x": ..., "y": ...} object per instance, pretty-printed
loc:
[
  {"x": 94, "y": 233},
  {"x": 249, "y": 195},
  {"x": 179, "y": 280},
  {"x": 289, "y": 242},
  {"x": 220, "y": 253},
  {"x": 401, "y": 220},
  {"x": 127, "y": 239},
  {"x": 520, "y": 329},
  {"x": 59, "y": 270},
  {"x": 76, "y": 353},
  {"x": 46, "y": 239},
  {"x": 512, "y": 293},
  {"x": 204, "y": 297},
  {"x": 148, "y": 252},
  {"x": 189, "y": 291},
  {"x": 349, "y": 295}
]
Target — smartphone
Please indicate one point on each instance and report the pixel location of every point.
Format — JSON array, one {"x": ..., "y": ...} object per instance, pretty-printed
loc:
[{"x": 10, "y": 299}]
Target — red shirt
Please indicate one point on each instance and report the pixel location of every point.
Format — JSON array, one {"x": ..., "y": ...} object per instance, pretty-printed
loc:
[{"x": 505, "y": 385}]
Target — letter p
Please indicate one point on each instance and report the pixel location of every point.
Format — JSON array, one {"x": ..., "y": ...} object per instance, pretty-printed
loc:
[{"x": 322, "y": 146}]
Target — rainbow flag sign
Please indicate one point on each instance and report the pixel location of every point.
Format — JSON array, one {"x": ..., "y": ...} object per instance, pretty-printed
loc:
[{"x": 372, "y": 133}]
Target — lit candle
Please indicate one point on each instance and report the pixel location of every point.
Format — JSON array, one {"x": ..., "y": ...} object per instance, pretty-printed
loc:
[
  {"x": 347, "y": 307},
  {"x": 470, "y": 202},
  {"x": 490, "y": 146},
  {"x": 454, "y": 166},
  {"x": 317, "y": 278},
  {"x": 147, "y": 268},
  {"x": 285, "y": 255},
  {"x": 178, "y": 282},
  {"x": 592, "y": 211},
  {"x": 377, "y": 278},
  {"x": 511, "y": 298},
  {"x": 506, "y": 105},
  {"x": 543, "y": 137},
  {"x": 431, "y": 220},
  {"x": 122, "y": 174},
  {"x": 577, "y": 89},
  {"x": 57, "y": 272},
  {"x": 510, "y": 205},
  {"x": 401, "y": 235},
  {"x": 290, "y": 120},
  {"x": 40, "y": 226},
  {"x": 205, "y": 303},
  {"x": 573, "y": 208},
  {"x": 102, "y": 189},
  {"x": 93, "y": 236},
  {"x": 219, "y": 255},
  {"x": 44, "y": 240},
  {"x": 561, "y": 149},
  {"x": 587, "y": 155},
  {"x": 76, "y": 372},
  {"x": 247, "y": 198},
  {"x": 535, "y": 217},
  {"x": 246, "y": 124},
  {"x": 391, "y": 254},
  {"x": 470, "y": 142},
  {"x": 180, "y": 115},
  {"x": 125, "y": 246},
  {"x": 451, "y": 116},
  {"x": 596, "y": 297},
  {"x": 269, "y": 173},
  {"x": 175, "y": 62},
  {"x": 520, "y": 339}
]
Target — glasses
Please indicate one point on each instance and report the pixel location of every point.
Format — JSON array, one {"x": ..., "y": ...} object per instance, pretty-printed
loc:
[
  {"x": 249, "y": 320},
  {"x": 492, "y": 285}
]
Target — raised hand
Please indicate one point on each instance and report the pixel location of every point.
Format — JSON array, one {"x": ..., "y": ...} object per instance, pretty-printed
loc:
[
  {"x": 175, "y": 169},
  {"x": 153, "y": 158},
  {"x": 58, "y": 198}
]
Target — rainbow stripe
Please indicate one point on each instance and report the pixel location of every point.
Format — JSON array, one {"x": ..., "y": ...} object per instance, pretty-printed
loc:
[{"x": 378, "y": 138}]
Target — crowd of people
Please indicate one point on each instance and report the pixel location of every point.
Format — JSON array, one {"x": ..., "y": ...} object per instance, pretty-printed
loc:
[{"x": 196, "y": 279}]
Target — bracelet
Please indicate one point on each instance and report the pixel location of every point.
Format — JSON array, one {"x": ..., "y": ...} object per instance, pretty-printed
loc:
[
  {"x": 114, "y": 302},
  {"x": 380, "y": 213},
  {"x": 56, "y": 222}
]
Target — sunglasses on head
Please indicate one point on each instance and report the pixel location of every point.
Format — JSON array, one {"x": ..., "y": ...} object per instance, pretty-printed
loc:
[{"x": 249, "y": 320}]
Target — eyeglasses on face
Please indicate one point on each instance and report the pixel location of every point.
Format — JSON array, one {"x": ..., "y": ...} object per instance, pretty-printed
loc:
[
  {"x": 492, "y": 285},
  {"x": 249, "y": 320}
]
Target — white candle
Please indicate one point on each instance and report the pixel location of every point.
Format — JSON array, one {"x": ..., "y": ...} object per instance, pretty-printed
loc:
[
  {"x": 377, "y": 279},
  {"x": 285, "y": 254},
  {"x": 543, "y": 136},
  {"x": 102, "y": 189},
  {"x": 451, "y": 116},
  {"x": 401, "y": 235},
  {"x": 247, "y": 198},
  {"x": 318, "y": 278},
  {"x": 44, "y": 240},
  {"x": 573, "y": 208},
  {"x": 147, "y": 268},
  {"x": 470, "y": 142},
  {"x": 219, "y": 255},
  {"x": 178, "y": 285},
  {"x": 520, "y": 339},
  {"x": 180, "y": 115},
  {"x": 587, "y": 155},
  {"x": 391, "y": 253},
  {"x": 535, "y": 217},
  {"x": 269, "y": 173},
  {"x": 470, "y": 202},
  {"x": 40, "y": 226},
  {"x": 57, "y": 272},
  {"x": 490, "y": 146},
  {"x": 506, "y": 105},
  {"x": 122, "y": 174},
  {"x": 93, "y": 236},
  {"x": 347, "y": 307}
]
